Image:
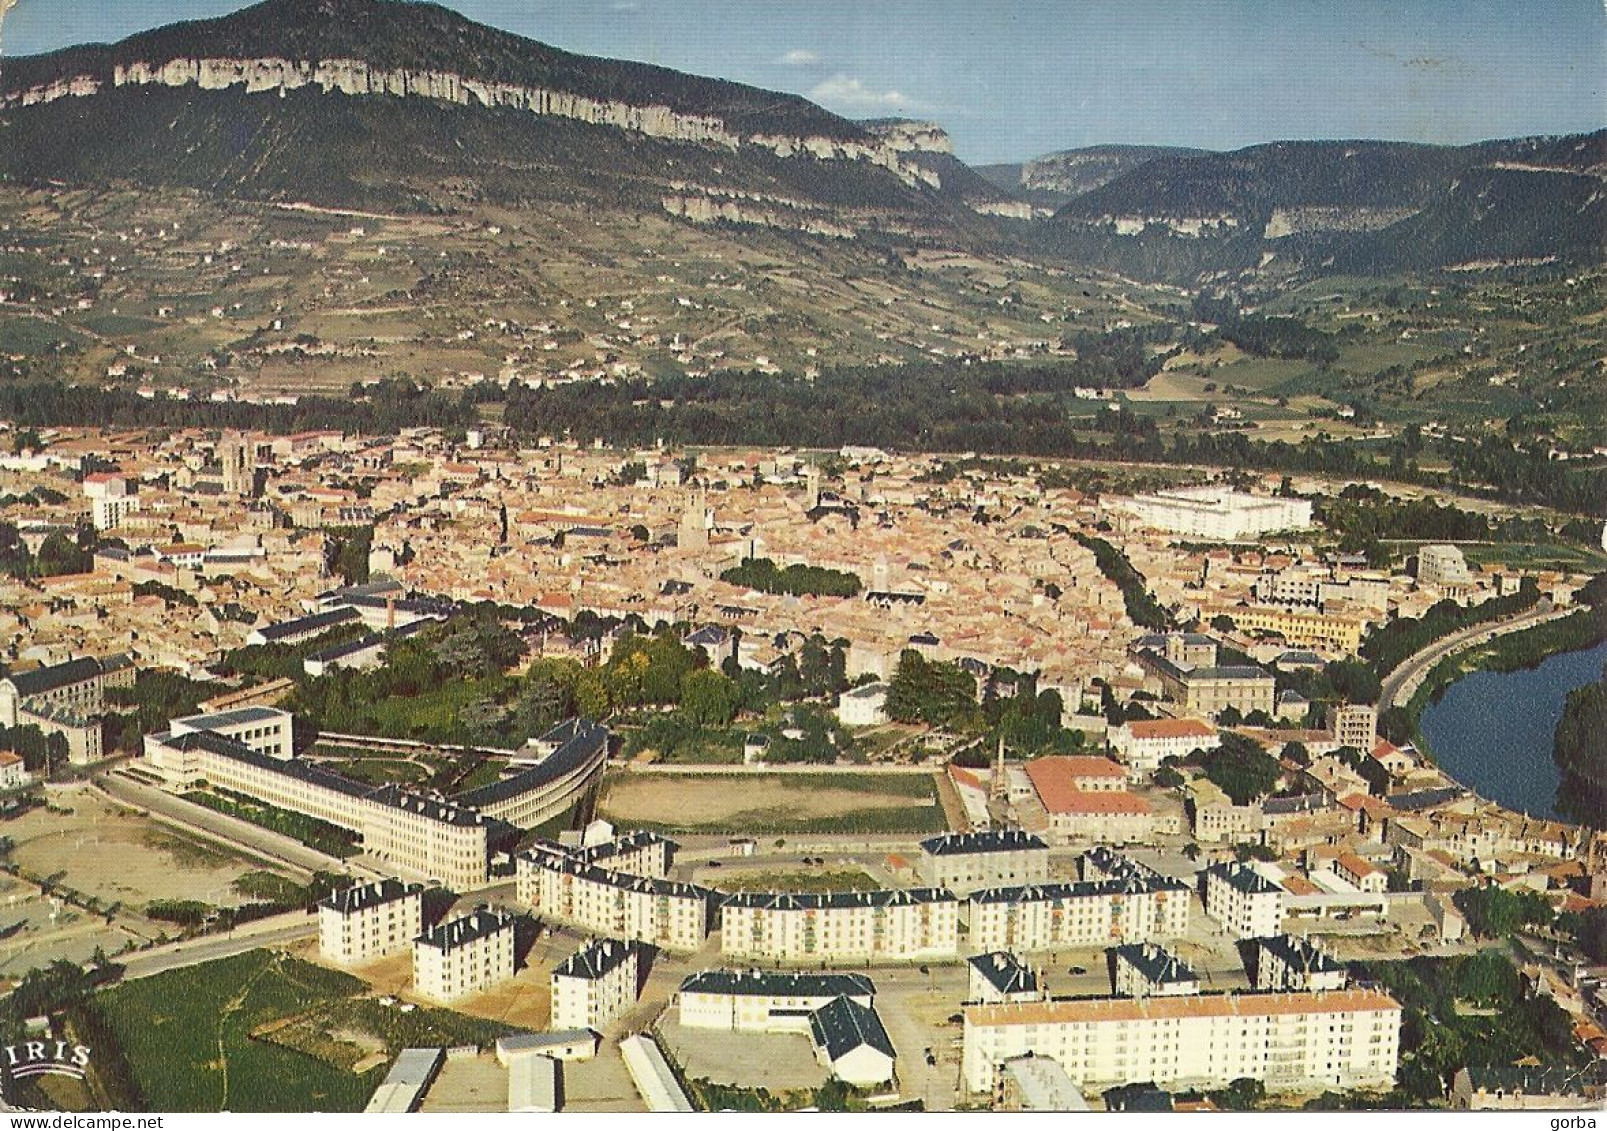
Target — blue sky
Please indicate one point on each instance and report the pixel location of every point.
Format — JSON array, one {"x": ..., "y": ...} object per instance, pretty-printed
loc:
[{"x": 1011, "y": 79}]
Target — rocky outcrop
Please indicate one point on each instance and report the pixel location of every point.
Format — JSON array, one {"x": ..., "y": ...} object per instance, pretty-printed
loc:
[
  {"x": 353, "y": 77},
  {"x": 1303, "y": 221},
  {"x": 907, "y": 136},
  {"x": 710, "y": 209},
  {"x": 1191, "y": 227}
]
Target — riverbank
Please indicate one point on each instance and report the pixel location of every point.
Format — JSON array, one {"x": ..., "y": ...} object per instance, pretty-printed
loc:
[
  {"x": 1490, "y": 714},
  {"x": 1526, "y": 648}
]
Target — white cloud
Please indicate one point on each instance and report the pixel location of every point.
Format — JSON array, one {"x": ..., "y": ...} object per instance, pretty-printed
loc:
[
  {"x": 851, "y": 95},
  {"x": 797, "y": 57}
]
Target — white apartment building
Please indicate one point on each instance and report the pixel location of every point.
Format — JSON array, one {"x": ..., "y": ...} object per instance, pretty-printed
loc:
[
  {"x": 1355, "y": 725},
  {"x": 964, "y": 861},
  {"x": 1144, "y": 744},
  {"x": 368, "y": 921},
  {"x": 1343, "y": 1039},
  {"x": 463, "y": 956},
  {"x": 1244, "y": 901},
  {"x": 636, "y": 853},
  {"x": 596, "y": 984},
  {"x": 764, "y": 1001},
  {"x": 573, "y": 756},
  {"x": 1288, "y": 962},
  {"x": 1216, "y": 514},
  {"x": 887, "y": 926},
  {"x": 1078, "y": 914},
  {"x": 1145, "y": 970},
  {"x": 1442, "y": 567},
  {"x": 1001, "y": 976},
  {"x": 617, "y": 905}
]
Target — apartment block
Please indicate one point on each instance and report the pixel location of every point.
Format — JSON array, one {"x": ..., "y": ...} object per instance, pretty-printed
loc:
[
  {"x": 369, "y": 921},
  {"x": 1288, "y": 1041},
  {"x": 909, "y": 925},
  {"x": 464, "y": 956},
  {"x": 613, "y": 904},
  {"x": 423, "y": 835},
  {"x": 1244, "y": 901},
  {"x": 596, "y": 984},
  {"x": 1001, "y": 976},
  {"x": 1146, "y": 970},
  {"x": 1289, "y": 962},
  {"x": 963, "y": 861}
]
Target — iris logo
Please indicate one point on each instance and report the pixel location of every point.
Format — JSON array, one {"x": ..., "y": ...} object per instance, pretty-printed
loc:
[{"x": 47, "y": 1058}]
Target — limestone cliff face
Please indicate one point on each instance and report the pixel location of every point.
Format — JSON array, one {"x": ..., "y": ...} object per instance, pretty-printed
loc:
[
  {"x": 906, "y": 136},
  {"x": 707, "y": 209},
  {"x": 356, "y": 78}
]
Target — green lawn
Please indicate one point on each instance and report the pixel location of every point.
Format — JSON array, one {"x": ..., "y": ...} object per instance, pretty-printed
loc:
[
  {"x": 381, "y": 771},
  {"x": 834, "y": 879},
  {"x": 265, "y": 1032}
]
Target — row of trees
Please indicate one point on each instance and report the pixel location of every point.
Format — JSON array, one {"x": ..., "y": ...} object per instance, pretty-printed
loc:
[
  {"x": 385, "y": 408},
  {"x": 1142, "y": 607},
  {"x": 1386, "y": 648},
  {"x": 955, "y": 407},
  {"x": 1580, "y": 749},
  {"x": 795, "y": 580},
  {"x": 1362, "y": 516},
  {"x": 58, "y": 554}
]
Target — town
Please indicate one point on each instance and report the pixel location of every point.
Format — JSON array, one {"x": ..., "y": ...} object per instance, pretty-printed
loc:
[{"x": 561, "y": 776}]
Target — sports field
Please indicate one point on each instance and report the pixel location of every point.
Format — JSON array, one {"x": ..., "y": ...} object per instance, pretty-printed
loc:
[{"x": 774, "y": 803}]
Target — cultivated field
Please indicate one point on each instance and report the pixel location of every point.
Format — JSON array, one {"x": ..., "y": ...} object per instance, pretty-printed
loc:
[
  {"x": 265, "y": 1032},
  {"x": 840, "y": 803}
]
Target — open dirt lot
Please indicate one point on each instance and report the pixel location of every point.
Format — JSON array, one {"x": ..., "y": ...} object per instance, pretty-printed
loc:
[
  {"x": 777, "y": 1061},
  {"x": 525, "y": 1002},
  {"x": 103, "y": 850}
]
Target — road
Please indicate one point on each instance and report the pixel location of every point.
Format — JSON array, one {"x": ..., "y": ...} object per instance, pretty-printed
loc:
[
  {"x": 277, "y": 931},
  {"x": 1403, "y": 682},
  {"x": 237, "y": 834}
]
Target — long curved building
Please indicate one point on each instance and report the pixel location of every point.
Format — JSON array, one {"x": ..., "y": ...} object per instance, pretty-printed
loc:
[{"x": 578, "y": 753}]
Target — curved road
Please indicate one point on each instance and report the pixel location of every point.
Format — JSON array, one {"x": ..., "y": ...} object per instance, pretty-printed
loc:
[{"x": 1404, "y": 681}]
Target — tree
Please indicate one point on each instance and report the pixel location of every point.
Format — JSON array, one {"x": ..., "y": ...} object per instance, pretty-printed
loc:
[
  {"x": 1589, "y": 929},
  {"x": 710, "y": 698},
  {"x": 59, "y": 554},
  {"x": 1244, "y": 1094},
  {"x": 1354, "y": 681},
  {"x": 1497, "y": 913},
  {"x": 591, "y": 695},
  {"x": 932, "y": 692},
  {"x": 1242, "y": 769}
]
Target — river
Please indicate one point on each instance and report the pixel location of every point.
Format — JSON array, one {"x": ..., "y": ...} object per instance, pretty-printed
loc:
[{"x": 1493, "y": 731}]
